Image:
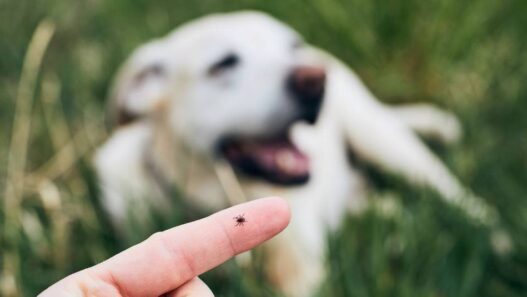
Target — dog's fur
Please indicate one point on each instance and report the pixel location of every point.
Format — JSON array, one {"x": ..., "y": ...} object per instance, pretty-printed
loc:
[{"x": 175, "y": 105}]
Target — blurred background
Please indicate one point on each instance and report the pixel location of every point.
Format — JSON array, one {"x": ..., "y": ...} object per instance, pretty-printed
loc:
[{"x": 467, "y": 56}]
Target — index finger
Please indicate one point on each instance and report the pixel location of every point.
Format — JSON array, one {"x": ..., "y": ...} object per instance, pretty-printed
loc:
[{"x": 169, "y": 259}]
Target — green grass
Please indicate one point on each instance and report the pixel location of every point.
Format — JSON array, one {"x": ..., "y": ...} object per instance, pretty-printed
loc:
[{"x": 467, "y": 56}]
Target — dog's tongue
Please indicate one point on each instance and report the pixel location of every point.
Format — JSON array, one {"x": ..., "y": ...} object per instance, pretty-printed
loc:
[
  {"x": 280, "y": 156},
  {"x": 278, "y": 159}
]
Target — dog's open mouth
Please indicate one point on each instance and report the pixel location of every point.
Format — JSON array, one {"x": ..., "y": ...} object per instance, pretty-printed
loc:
[{"x": 276, "y": 160}]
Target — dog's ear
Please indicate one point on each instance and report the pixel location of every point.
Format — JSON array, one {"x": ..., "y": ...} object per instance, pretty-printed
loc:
[{"x": 140, "y": 86}]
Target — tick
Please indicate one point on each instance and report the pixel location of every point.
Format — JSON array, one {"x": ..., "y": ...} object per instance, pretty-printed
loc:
[{"x": 240, "y": 220}]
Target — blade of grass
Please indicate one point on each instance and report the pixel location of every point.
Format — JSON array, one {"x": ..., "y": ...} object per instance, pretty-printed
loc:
[{"x": 18, "y": 152}]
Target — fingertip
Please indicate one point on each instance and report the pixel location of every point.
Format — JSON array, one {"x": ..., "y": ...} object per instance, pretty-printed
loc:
[
  {"x": 263, "y": 219},
  {"x": 281, "y": 210},
  {"x": 274, "y": 213}
]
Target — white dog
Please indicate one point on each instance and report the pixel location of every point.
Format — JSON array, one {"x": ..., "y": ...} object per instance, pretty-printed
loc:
[{"x": 221, "y": 110}]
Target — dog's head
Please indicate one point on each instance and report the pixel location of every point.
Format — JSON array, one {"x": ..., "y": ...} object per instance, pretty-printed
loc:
[{"x": 230, "y": 86}]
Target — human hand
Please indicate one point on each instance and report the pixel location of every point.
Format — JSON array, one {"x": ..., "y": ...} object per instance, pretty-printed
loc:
[{"x": 169, "y": 262}]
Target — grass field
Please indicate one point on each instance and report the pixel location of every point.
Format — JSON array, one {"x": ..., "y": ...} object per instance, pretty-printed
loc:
[{"x": 467, "y": 56}]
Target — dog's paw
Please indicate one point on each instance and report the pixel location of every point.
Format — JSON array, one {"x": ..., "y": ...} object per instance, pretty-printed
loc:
[{"x": 449, "y": 129}]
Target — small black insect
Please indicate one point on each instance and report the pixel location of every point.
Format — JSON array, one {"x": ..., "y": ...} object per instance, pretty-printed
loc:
[{"x": 240, "y": 220}]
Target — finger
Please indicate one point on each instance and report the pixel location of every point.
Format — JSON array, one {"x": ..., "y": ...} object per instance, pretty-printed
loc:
[
  {"x": 193, "y": 288},
  {"x": 168, "y": 259}
]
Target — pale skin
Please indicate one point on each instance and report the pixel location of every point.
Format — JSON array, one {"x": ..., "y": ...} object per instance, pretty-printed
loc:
[{"x": 169, "y": 262}]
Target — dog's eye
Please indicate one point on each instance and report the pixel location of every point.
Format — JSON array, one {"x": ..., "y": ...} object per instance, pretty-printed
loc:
[{"x": 227, "y": 62}]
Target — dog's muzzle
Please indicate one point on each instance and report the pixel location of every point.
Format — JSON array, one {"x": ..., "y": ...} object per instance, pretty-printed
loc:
[{"x": 277, "y": 159}]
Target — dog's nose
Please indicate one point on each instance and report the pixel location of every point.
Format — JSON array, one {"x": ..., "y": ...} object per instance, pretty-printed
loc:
[{"x": 307, "y": 84}]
